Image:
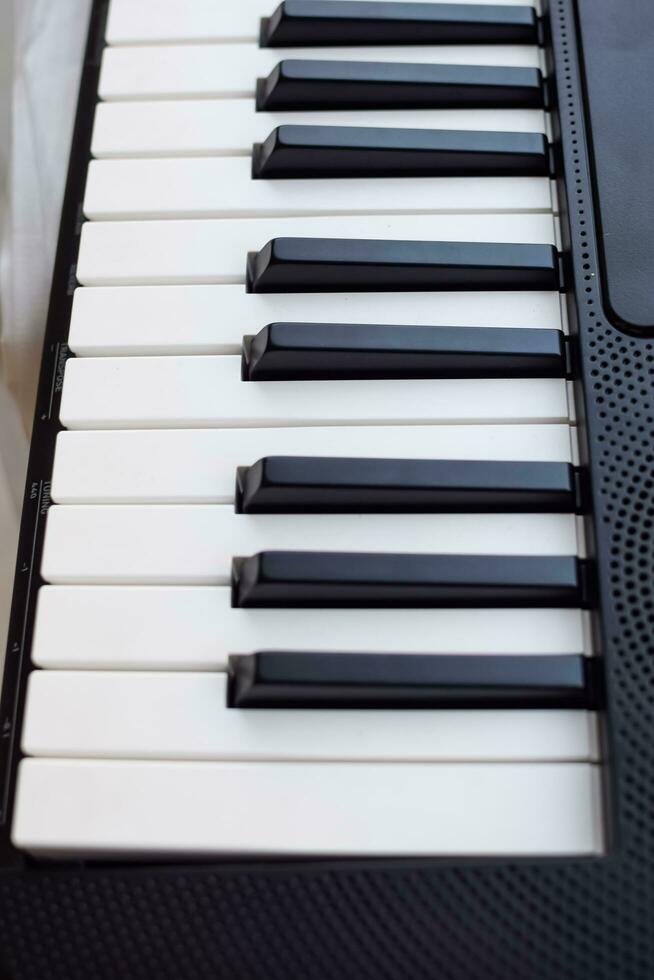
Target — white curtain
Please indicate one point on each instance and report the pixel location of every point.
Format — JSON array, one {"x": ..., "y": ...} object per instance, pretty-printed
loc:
[{"x": 41, "y": 46}]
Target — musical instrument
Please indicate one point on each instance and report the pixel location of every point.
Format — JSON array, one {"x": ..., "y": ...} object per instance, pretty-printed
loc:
[{"x": 329, "y": 645}]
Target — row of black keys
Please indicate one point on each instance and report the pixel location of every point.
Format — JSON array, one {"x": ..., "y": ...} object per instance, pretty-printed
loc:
[
  {"x": 301, "y": 84},
  {"x": 304, "y": 84},
  {"x": 341, "y": 351},
  {"x": 276, "y": 679},
  {"x": 297, "y": 579},
  {"x": 301, "y": 265},
  {"x": 368, "y": 151},
  {"x": 314, "y": 151},
  {"x": 300, "y": 350},
  {"x": 303, "y": 23},
  {"x": 329, "y": 151},
  {"x": 332, "y": 485}
]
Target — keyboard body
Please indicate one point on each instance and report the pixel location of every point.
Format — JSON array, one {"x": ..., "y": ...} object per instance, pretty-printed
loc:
[{"x": 549, "y": 918}]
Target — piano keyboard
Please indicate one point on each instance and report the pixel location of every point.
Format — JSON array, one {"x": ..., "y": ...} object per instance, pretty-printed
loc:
[{"x": 315, "y": 580}]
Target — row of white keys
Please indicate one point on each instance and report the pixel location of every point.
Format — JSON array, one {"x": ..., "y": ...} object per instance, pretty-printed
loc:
[
  {"x": 116, "y": 807},
  {"x": 133, "y": 715},
  {"x": 207, "y": 392},
  {"x": 184, "y": 466},
  {"x": 230, "y": 127},
  {"x": 214, "y": 251},
  {"x": 217, "y": 187},
  {"x": 135, "y": 320},
  {"x": 231, "y": 71},
  {"x": 181, "y": 544},
  {"x": 172, "y": 21},
  {"x": 196, "y": 628}
]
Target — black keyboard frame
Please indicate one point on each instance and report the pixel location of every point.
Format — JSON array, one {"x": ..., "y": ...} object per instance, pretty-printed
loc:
[{"x": 472, "y": 919}]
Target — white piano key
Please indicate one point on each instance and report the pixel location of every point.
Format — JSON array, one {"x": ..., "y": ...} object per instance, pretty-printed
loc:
[
  {"x": 157, "y": 21},
  {"x": 207, "y": 392},
  {"x": 99, "y": 714},
  {"x": 226, "y": 127},
  {"x": 215, "y": 251},
  {"x": 223, "y": 188},
  {"x": 112, "y": 808},
  {"x": 199, "y": 465},
  {"x": 119, "y": 320},
  {"x": 194, "y": 545},
  {"x": 231, "y": 71},
  {"x": 172, "y": 21},
  {"x": 196, "y": 628}
]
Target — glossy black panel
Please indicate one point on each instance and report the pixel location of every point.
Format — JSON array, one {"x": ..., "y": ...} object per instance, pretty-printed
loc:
[
  {"x": 357, "y": 151},
  {"x": 344, "y": 579},
  {"x": 296, "y": 84},
  {"x": 302, "y": 23},
  {"x": 305, "y": 265},
  {"x": 618, "y": 64},
  {"x": 299, "y": 351},
  {"x": 277, "y": 679},
  {"x": 316, "y": 484}
]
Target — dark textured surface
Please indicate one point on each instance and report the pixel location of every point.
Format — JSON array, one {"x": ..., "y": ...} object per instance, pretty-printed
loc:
[
  {"x": 328, "y": 925},
  {"x": 586, "y": 920}
]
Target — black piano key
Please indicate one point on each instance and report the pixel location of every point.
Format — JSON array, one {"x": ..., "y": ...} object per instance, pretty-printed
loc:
[
  {"x": 345, "y": 580},
  {"x": 296, "y": 84},
  {"x": 358, "y": 151},
  {"x": 315, "y": 484},
  {"x": 277, "y": 679},
  {"x": 337, "y": 351},
  {"x": 305, "y": 265},
  {"x": 303, "y": 23}
]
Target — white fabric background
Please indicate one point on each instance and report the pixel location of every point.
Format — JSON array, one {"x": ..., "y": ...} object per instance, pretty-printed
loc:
[{"x": 41, "y": 45}]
